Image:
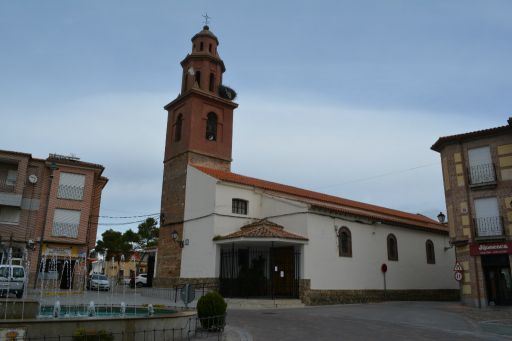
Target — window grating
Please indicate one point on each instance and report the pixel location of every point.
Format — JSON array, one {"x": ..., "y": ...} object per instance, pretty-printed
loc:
[{"x": 239, "y": 206}]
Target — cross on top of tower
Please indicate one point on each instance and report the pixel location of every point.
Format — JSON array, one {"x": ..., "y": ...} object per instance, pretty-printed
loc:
[{"x": 206, "y": 19}]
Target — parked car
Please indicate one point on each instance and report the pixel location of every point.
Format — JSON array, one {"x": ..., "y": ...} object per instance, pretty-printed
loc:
[
  {"x": 140, "y": 281},
  {"x": 12, "y": 280},
  {"x": 98, "y": 282}
]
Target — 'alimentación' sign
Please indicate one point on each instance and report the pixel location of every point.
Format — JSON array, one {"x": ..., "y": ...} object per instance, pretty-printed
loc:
[{"x": 490, "y": 248}]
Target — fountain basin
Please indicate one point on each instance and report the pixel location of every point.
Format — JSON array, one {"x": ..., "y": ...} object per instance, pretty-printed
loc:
[
  {"x": 160, "y": 326},
  {"x": 107, "y": 311},
  {"x": 15, "y": 308}
]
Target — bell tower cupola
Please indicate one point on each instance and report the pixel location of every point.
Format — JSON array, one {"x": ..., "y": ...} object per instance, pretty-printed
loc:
[
  {"x": 203, "y": 68},
  {"x": 200, "y": 119}
]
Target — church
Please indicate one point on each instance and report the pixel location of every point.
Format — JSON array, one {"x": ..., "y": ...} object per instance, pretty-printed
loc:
[{"x": 249, "y": 237}]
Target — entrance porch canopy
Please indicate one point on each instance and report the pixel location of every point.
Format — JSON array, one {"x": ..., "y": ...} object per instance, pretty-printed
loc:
[{"x": 261, "y": 231}]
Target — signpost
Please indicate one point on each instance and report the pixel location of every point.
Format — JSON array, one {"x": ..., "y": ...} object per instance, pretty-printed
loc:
[
  {"x": 457, "y": 272},
  {"x": 384, "y": 269},
  {"x": 188, "y": 293}
]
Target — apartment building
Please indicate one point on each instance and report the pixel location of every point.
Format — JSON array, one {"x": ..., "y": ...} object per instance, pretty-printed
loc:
[
  {"x": 48, "y": 213},
  {"x": 477, "y": 171}
]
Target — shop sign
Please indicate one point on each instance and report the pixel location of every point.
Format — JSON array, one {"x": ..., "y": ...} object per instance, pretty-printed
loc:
[
  {"x": 490, "y": 248},
  {"x": 60, "y": 250}
]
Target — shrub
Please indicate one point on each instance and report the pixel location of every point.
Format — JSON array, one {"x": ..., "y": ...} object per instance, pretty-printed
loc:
[
  {"x": 81, "y": 334},
  {"x": 211, "y": 310}
]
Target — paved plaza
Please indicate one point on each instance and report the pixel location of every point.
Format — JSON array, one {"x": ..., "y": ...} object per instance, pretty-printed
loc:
[{"x": 379, "y": 321}]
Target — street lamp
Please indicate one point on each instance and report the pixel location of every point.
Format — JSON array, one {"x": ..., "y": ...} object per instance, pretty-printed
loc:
[
  {"x": 174, "y": 236},
  {"x": 441, "y": 217}
]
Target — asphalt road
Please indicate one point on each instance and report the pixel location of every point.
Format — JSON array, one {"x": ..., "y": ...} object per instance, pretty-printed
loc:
[{"x": 381, "y": 321}]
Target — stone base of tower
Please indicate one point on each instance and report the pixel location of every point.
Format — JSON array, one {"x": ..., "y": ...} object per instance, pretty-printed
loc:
[{"x": 169, "y": 282}]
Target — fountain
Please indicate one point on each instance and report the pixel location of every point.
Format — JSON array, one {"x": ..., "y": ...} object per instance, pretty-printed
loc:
[
  {"x": 61, "y": 312},
  {"x": 91, "y": 311},
  {"x": 56, "y": 309}
]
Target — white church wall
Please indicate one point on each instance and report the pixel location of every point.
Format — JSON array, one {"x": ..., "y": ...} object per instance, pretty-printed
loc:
[
  {"x": 199, "y": 257},
  {"x": 326, "y": 270},
  {"x": 292, "y": 215},
  {"x": 227, "y": 192},
  {"x": 199, "y": 194}
]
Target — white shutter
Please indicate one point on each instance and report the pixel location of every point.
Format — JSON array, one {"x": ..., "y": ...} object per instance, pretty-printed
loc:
[
  {"x": 488, "y": 218},
  {"x": 66, "y": 223},
  {"x": 12, "y": 175},
  {"x": 486, "y": 207},
  {"x": 71, "y": 179},
  {"x": 481, "y": 168},
  {"x": 9, "y": 215},
  {"x": 71, "y": 186}
]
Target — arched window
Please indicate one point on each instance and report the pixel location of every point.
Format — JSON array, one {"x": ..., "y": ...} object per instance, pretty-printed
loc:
[
  {"x": 201, "y": 46},
  {"x": 198, "y": 78},
  {"x": 212, "y": 82},
  {"x": 211, "y": 127},
  {"x": 392, "y": 247},
  {"x": 210, "y": 48},
  {"x": 344, "y": 242},
  {"x": 431, "y": 255},
  {"x": 177, "y": 128}
]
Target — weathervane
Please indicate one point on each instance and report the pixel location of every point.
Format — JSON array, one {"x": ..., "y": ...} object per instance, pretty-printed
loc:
[{"x": 206, "y": 18}]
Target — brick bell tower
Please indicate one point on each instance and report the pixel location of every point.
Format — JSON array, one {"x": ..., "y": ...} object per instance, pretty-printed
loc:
[{"x": 199, "y": 131}]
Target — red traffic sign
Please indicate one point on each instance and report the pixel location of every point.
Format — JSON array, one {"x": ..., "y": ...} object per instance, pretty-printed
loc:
[
  {"x": 384, "y": 268},
  {"x": 458, "y": 276},
  {"x": 457, "y": 267}
]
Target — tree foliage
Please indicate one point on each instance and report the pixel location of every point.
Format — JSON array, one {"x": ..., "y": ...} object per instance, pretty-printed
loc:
[
  {"x": 147, "y": 233},
  {"x": 115, "y": 243}
]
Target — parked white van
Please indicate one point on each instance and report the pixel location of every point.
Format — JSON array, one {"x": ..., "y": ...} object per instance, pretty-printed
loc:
[{"x": 12, "y": 280}]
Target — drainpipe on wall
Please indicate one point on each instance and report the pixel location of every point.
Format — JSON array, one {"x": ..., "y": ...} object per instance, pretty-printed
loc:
[
  {"x": 53, "y": 167},
  {"x": 471, "y": 224}
]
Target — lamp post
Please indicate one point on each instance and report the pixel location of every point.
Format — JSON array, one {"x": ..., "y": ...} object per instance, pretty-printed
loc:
[{"x": 441, "y": 217}]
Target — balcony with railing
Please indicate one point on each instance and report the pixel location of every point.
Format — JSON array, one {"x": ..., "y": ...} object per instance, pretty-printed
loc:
[
  {"x": 482, "y": 175},
  {"x": 7, "y": 185},
  {"x": 8, "y": 176},
  {"x": 489, "y": 227}
]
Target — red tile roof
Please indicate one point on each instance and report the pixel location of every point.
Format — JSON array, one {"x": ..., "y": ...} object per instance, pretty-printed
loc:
[
  {"x": 328, "y": 201},
  {"x": 262, "y": 229},
  {"x": 472, "y": 135}
]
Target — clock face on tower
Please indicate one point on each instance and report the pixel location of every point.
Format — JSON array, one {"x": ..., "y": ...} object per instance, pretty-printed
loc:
[{"x": 32, "y": 178}]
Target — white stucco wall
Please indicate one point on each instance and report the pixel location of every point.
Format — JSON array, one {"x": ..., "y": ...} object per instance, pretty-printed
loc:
[
  {"x": 208, "y": 214},
  {"x": 327, "y": 270},
  {"x": 199, "y": 258}
]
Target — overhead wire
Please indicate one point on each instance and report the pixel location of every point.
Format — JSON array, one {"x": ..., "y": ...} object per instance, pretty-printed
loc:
[{"x": 126, "y": 217}]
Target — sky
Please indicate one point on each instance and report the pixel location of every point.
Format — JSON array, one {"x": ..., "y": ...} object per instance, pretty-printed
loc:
[{"x": 341, "y": 97}]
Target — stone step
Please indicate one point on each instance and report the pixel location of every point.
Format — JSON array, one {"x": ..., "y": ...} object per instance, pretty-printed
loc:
[{"x": 241, "y": 303}]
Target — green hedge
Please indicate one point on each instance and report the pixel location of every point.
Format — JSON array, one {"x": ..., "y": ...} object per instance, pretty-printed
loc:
[{"x": 211, "y": 310}]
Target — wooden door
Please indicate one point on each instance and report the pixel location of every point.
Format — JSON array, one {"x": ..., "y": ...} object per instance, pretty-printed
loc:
[{"x": 282, "y": 279}]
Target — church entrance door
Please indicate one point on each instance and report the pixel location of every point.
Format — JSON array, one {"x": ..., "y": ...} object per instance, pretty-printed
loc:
[{"x": 260, "y": 271}]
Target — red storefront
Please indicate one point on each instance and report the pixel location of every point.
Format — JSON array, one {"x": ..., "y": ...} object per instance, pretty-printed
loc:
[{"x": 496, "y": 268}]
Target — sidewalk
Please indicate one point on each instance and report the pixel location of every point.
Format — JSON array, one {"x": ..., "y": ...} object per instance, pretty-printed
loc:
[{"x": 497, "y": 319}]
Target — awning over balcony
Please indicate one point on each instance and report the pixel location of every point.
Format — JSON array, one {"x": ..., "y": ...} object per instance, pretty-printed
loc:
[{"x": 261, "y": 230}]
